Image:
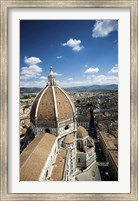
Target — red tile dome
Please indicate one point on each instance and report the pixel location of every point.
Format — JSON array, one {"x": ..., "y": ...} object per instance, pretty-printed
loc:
[
  {"x": 69, "y": 139},
  {"x": 81, "y": 132}
]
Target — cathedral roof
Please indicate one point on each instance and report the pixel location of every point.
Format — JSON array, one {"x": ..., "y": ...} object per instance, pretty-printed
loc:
[
  {"x": 33, "y": 158},
  {"x": 81, "y": 132},
  {"x": 59, "y": 166},
  {"x": 52, "y": 103}
]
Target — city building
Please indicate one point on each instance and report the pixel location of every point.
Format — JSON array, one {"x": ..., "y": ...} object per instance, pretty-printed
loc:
[
  {"x": 110, "y": 151},
  {"x": 113, "y": 164}
]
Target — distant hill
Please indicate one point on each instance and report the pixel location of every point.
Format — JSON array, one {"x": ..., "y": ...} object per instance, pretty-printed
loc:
[
  {"x": 79, "y": 88},
  {"x": 29, "y": 90},
  {"x": 93, "y": 88}
]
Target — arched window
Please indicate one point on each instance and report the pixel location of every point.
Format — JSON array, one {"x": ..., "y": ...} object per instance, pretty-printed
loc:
[
  {"x": 79, "y": 145},
  {"x": 79, "y": 160},
  {"x": 47, "y": 130},
  {"x": 85, "y": 142}
]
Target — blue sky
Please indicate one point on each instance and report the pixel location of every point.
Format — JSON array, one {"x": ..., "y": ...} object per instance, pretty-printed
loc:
[{"x": 82, "y": 52}]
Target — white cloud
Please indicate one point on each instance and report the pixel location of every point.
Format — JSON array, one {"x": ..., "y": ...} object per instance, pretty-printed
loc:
[
  {"x": 91, "y": 70},
  {"x": 57, "y": 74},
  {"x": 103, "y": 28},
  {"x": 74, "y": 44},
  {"x": 103, "y": 79},
  {"x": 40, "y": 84},
  {"x": 57, "y": 81},
  {"x": 85, "y": 65},
  {"x": 70, "y": 78},
  {"x": 114, "y": 69},
  {"x": 43, "y": 81},
  {"x": 43, "y": 78},
  {"x": 31, "y": 60},
  {"x": 30, "y": 72},
  {"x": 59, "y": 57},
  {"x": 90, "y": 77},
  {"x": 93, "y": 80}
]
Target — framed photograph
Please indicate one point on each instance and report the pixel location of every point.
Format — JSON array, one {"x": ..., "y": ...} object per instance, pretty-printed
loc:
[{"x": 69, "y": 100}]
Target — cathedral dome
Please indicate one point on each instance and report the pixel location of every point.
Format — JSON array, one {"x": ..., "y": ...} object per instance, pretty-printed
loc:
[
  {"x": 81, "y": 132},
  {"x": 52, "y": 105},
  {"x": 69, "y": 139}
]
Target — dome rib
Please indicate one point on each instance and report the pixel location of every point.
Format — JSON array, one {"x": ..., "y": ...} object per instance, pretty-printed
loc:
[
  {"x": 39, "y": 102},
  {"x": 35, "y": 103},
  {"x": 55, "y": 102},
  {"x": 68, "y": 99}
]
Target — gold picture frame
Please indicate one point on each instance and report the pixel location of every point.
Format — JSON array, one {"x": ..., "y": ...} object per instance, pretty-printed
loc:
[{"x": 5, "y": 5}]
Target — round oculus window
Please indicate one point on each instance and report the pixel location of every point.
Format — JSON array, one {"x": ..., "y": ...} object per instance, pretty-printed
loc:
[{"x": 66, "y": 127}]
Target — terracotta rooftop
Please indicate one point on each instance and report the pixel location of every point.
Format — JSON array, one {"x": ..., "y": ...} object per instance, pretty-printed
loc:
[
  {"x": 46, "y": 106},
  {"x": 52, "y": 103},
  {"x": 81, "y": 132},
  {"x": 58, "y": 169},
  {"x": 33, "y": 158},
  {"x": 114, "y": 155},
  {"x": 108, "y": 142},
  {"x": 64, "y": 107},
  {"x": 69, "y": 139}
]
